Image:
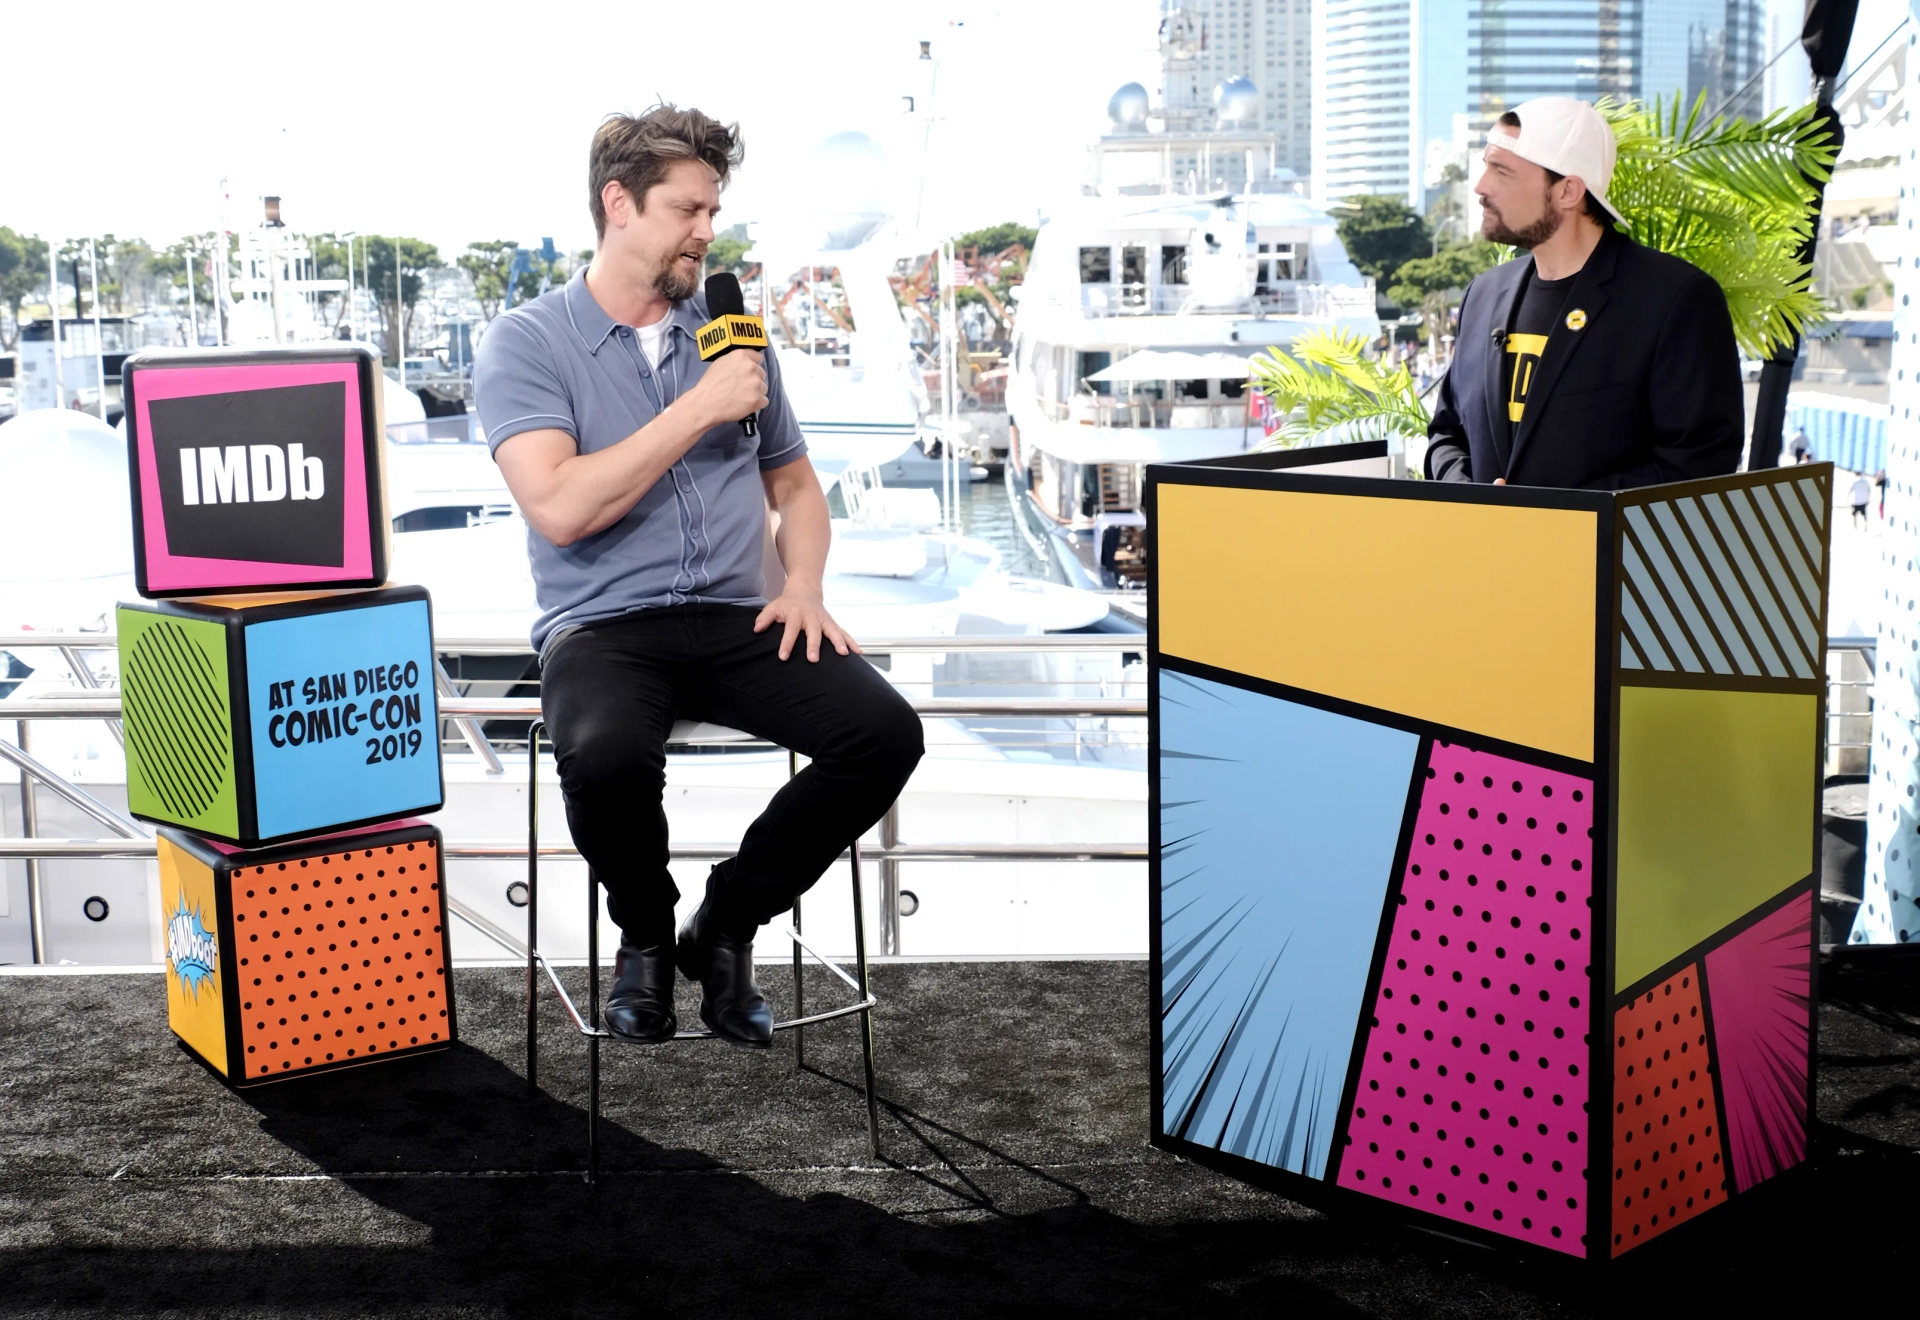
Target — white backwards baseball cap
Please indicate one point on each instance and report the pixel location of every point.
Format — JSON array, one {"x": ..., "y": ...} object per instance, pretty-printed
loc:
[{"x": 1566, "y": 136}]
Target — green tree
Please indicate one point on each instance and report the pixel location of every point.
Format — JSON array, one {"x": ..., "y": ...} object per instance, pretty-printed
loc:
[
  {"x": 1382, "y": 234},
  {"x": 998, "y": 238},
  {"x": 334, "y": 259},
  {"x": 728, "y": 252},
  {"x": 1434, "y": 284},
  {"x": 169, "y": 269},
  {"x": 413, "y": 256},
  {"x": 127, "y": 279},
  {"x": 487, "y": 263},
  {"x": 23, "y": 275}
]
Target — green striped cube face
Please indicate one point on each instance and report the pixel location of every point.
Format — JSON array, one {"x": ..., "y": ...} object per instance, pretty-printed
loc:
[{"x": 177, "y": 695}]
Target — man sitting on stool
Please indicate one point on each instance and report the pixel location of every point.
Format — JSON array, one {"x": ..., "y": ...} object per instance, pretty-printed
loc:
[{"x": 645, "y": 498}]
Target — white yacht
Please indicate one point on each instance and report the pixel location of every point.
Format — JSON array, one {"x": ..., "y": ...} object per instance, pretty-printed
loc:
[{"x": 1189, "y": 252}]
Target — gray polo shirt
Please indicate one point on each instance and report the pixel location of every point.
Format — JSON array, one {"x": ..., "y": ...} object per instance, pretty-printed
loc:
[{"x": 560, "y": 363}]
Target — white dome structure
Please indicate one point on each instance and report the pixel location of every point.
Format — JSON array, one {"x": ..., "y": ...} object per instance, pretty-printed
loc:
[
  {"x": 66, "y": 540},
  {"x": 1127, "y": 108},
  {"x": 1237, "y": 101}
]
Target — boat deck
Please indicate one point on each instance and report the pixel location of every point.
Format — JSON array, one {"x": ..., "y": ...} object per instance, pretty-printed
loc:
[{"x": 1018, "y": 1179}]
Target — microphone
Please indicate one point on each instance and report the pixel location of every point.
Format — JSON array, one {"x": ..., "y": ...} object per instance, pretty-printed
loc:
[{"x": 730, "y": 327}]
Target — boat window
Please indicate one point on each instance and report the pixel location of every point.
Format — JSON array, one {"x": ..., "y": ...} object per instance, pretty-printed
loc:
[
  {"x": 1133, "y": 275},
  {"x": 1276, "y": 263},
  {"x": 1096, "y": 265},
  {"x": 1089, "y": 503},
  {"x": 1090, "y": 363},
  {"x": 1232, "y": 389},
  {"x": 1190, "y": 389},
  {"x": 1173, "y": 263}
]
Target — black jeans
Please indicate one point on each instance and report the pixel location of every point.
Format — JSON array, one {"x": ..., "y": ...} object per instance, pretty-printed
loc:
[{"x": 611, "y": 692}]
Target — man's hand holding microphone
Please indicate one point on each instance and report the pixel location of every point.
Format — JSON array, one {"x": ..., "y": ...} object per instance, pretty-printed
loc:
[
  {"x": 733, "y": 388},
  {"x": 735, "y": 384}
]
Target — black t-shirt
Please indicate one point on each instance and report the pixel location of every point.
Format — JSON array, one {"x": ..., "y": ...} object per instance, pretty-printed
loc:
[{"x": 1535, "y": 314}]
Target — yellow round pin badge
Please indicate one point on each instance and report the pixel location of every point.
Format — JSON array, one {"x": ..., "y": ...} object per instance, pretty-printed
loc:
[{"x": 1576, "y": 319}]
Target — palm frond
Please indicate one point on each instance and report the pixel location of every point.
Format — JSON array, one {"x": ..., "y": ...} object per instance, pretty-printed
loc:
[
  {"x": 1329, "y": 385},
  {"x": 1733, "y": 197}
]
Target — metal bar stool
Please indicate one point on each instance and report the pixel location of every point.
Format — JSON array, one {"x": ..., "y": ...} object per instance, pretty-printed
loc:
[{"x": 588, "y": 1025}]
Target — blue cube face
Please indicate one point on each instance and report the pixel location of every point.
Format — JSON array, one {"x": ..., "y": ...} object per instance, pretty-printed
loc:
[{"x": 344, "y": 725}]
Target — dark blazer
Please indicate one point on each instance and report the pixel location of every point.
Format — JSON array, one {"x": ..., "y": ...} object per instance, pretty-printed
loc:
[{"x": 1647, "y": 391}]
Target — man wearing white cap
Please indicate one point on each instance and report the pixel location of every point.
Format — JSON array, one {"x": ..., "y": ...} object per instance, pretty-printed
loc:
[{"x": 1589, "y": 361}]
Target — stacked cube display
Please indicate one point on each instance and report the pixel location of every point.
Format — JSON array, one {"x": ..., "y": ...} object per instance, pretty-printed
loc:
[
  {"x": 1485, "y": 836},
  {"x": 270, "y": 727}
]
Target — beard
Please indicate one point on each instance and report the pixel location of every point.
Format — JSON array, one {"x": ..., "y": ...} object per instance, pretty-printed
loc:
[
  {"x": 1494, "y": 229},
  {"x": 673, "y": 285}
]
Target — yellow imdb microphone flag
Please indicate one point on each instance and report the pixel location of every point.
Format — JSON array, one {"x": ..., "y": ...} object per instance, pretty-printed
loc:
[{"x": 728, "y": 332}]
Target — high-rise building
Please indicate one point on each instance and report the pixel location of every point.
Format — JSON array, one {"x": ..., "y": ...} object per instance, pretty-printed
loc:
[
  {"x": 1402, "y": 87},
  {"x": 1520, "y": 49},
  {"x": 1205, "y": 43},
  {"x": 1788, "y": 80},
  {"x": 1715, "y": 47},
  {"x": 1389, "y": 81}
]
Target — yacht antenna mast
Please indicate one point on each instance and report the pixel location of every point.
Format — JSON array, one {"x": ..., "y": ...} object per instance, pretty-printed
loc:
[
  {"x": 99, "y": 349},
  {"x": 53, "y": 309}
]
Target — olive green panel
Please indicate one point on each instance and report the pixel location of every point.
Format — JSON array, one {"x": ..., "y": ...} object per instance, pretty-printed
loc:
[
  {"x": 176, "y": 700},
  {"x": 1716, "y": 808}
]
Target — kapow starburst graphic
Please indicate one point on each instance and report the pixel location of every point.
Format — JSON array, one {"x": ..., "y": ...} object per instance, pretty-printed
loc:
[{"x": 193, "y": 953}]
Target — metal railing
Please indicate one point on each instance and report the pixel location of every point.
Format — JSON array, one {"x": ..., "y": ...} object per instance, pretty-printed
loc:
[
  {"x": 93, "y": 700},
  {"x": 1851, "y": 669},
  {"x": 1846, "y": 654},
  {"x": 1274, "y": 298}
]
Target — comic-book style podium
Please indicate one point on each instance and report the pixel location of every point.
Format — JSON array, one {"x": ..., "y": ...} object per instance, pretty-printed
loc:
[
  {"x": 271, "y": 726},
  {"x": 1484, "y": 841}
]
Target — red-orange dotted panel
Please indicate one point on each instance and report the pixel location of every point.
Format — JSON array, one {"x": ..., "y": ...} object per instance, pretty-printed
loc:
[
  {"x": 341, "y": 958},
  {"x": 1667, "y": 1164}
]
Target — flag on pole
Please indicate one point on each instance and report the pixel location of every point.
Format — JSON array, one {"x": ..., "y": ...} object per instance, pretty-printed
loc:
[{"x": 1263, "y": 411}]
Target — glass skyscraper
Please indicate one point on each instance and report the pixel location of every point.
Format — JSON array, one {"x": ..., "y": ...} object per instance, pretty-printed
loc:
[
  {"x": 1399, "y": 84},
  {"x": 1520, "y": 49}
]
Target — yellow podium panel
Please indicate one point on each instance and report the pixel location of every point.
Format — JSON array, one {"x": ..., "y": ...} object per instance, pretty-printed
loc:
[{"x": 1475, "y": 616}]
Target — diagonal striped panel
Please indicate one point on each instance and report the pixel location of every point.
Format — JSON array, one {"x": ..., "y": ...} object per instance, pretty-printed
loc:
[
  {"x": 1725, "y": 583},
  {"x": 179, "y": 734}
]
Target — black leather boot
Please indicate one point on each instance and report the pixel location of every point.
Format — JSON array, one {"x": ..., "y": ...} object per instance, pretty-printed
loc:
[
  {"x": 730, "y": 1003},
  {"x": 641, "y": 1005}
]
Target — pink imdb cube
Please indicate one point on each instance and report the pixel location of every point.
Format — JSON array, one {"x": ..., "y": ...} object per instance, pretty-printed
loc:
[{"x": 256, "y": 470}]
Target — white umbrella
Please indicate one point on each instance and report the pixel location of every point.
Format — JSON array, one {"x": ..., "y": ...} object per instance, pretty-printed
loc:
[{"x": 1169, "y": 364}]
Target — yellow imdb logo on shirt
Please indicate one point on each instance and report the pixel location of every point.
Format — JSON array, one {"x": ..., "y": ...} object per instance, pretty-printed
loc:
[{"x": 1526, "y": 351}]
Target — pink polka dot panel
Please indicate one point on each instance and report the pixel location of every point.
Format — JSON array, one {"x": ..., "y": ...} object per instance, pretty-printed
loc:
[{"x": 1471, "y": 1099}]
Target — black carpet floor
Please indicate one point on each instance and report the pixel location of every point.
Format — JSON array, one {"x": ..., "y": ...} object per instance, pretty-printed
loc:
[{"x": 1017, "y": 1179}]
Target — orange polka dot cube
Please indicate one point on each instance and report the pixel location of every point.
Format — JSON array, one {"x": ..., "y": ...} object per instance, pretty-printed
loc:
[{"x": 322, "y": 954}]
